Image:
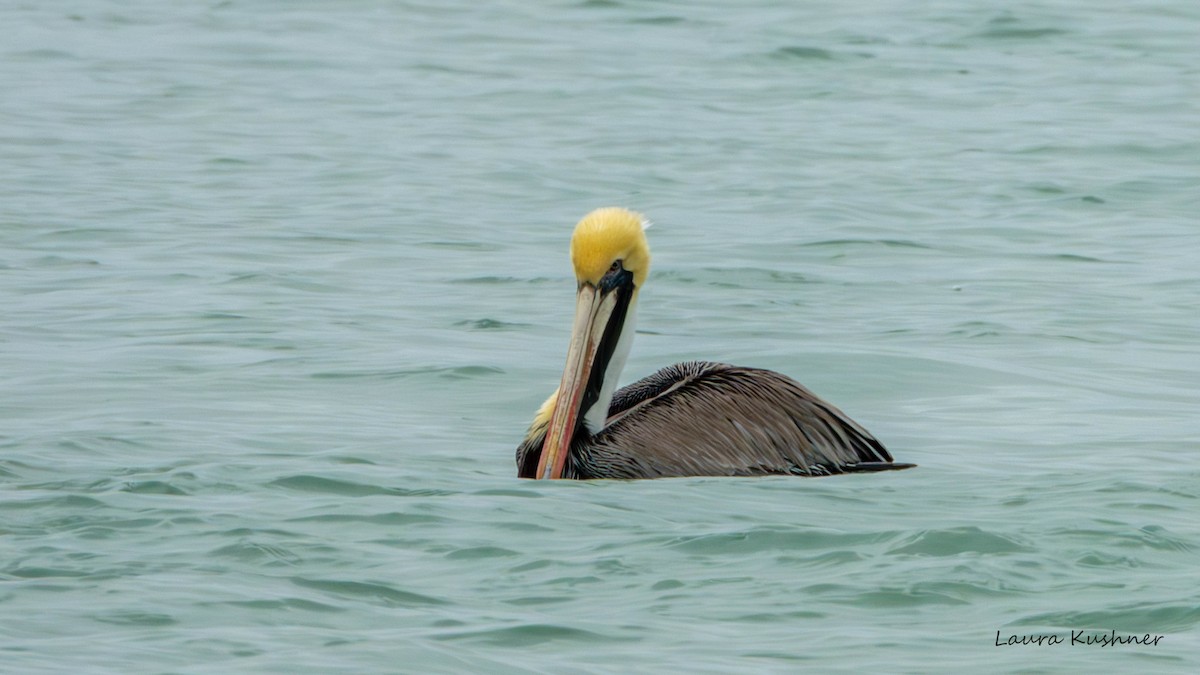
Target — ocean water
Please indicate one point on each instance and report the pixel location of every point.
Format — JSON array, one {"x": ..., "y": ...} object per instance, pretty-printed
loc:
[{"x": 282, "y": 284}]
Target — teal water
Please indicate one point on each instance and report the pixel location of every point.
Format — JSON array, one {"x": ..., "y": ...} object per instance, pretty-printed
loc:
[{"x": 283, "y": 283}]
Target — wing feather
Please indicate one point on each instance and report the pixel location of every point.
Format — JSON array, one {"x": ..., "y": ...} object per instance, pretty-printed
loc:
[{"x": 712, "y": 419}]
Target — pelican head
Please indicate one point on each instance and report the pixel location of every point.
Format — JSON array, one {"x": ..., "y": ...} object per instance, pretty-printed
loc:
[{"x": 611, "y": 260}]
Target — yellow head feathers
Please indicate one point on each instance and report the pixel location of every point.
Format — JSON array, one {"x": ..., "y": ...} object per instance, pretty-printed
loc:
[{"x": 605, "y": 236}]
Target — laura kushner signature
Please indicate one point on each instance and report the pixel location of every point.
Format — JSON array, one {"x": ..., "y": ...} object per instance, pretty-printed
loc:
[{"x": 1079, "y": 637}]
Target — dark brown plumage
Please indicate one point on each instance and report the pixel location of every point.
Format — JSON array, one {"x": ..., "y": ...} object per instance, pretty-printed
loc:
[{"x": 712, "y": 419}]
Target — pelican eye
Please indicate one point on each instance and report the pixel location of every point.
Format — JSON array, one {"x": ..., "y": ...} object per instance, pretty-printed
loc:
[{"x": 615, "y": 267}]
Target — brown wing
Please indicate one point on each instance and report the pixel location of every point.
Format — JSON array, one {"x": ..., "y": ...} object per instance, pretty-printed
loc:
[{"x": 713, "y": 419}]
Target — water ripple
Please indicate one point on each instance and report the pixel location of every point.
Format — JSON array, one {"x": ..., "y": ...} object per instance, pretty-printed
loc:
[
  {"x": 1136, "y": 618},
  {"x": 956, "y": 541},
  {"x": 320, "y": 484},
  {"x": 371, "y": 592},
  {"x": 761, "y": 539},
  {"x": 529, "y": 635}
]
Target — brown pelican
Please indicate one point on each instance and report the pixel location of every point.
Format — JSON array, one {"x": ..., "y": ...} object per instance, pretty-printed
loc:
[{"x": 690, "y": 419}]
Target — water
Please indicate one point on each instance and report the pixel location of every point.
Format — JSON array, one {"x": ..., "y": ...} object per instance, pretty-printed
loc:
[{"x": 283, "y": 284}]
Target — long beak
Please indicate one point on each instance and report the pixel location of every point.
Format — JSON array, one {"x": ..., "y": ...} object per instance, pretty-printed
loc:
[{"x": 592, "y": 312}]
